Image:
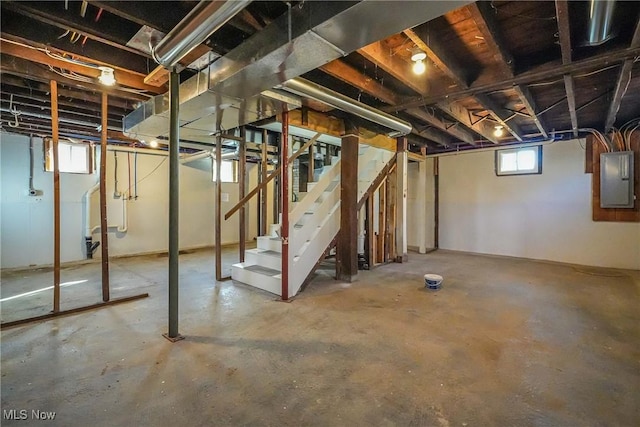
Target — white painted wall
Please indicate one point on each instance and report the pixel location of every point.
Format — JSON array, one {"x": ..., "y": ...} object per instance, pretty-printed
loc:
[
  {"x": 26, "y": 223},
  {"x": 420, "y": 205},
  {"x": 544, "y": 216}
]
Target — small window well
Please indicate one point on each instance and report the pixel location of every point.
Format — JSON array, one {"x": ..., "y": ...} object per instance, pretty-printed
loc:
[
  {"x": 228, "y": 171},
  {"x": 519, "y": 161},
  {"x": 72, "y": 157}
]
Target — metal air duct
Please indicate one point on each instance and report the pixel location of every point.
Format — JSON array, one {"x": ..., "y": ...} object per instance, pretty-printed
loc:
[
  {"x": 600, "y": 21},
  {"x": 205, "y": 19},
  {"x": 311, "y": 90}
]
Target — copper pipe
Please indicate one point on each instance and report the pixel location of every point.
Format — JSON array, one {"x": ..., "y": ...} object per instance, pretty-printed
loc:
[
  {"x": 104, "y": 236},
  {"x": 56, "y": 197}
]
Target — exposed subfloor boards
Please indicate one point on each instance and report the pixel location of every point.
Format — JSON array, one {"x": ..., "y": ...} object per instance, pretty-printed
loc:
[{"x": 504, "y": 342}]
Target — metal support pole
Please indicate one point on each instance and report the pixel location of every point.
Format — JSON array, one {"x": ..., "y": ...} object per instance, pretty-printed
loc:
[
  {"x": 104, "y": 235},
  {"x": 284, "y": 192},
  {"x": 263, "y": 178},
  {"x": 56, "y": 197},
  {"x": 174, "y": 204},
  {"x": 242, "y": 190}
]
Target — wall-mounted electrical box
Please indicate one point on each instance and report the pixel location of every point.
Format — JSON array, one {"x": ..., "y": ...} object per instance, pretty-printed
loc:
[{"x": 616, "y": 180}]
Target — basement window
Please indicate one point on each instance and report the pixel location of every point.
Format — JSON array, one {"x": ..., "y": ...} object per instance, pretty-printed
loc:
[
  {"x": 519, "y": 161},
  {"x": 228, "y": 171},
  {"x": 72, "y": 157}
]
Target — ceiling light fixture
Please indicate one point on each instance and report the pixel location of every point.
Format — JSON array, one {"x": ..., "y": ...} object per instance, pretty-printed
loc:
[
  {"x": 107, "y": 77},
  {"x": 498, "y": 132},
  {"x": 153, "y": 144},
  {"x": 418, "y": 58}
]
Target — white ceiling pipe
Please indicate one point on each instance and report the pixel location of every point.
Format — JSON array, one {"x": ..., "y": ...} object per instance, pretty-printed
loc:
[{"x": 205, "y": 18}]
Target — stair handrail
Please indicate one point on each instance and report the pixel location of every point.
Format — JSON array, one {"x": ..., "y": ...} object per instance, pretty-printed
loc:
[{"x": 272, "y": 175}]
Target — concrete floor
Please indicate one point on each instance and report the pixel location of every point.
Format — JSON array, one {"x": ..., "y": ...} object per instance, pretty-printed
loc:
[{"x": 504, "y": 342}]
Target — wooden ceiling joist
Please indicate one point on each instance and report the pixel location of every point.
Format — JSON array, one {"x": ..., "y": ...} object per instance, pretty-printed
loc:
[
  {"x": 379, "y": 54},
  {"x": 29, "y": 70},
  {"x": 72, "y": 23},
  {"x": 36, "y": 54},
  {"x": 37, "y": 90},
  {"x": 484, "y": 16},
  {"x": 437, "y": 122},
  {"x": 348, "y": 74},
  {"x": 564, "y": 35},
  {"x": 622, "y": 82}
]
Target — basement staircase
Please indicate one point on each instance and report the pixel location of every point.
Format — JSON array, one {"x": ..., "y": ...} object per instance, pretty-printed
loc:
[{"x": 315, "y": 222}]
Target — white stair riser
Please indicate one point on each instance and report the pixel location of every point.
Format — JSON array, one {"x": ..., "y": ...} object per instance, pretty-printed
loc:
[
  {"x": 261, "y": 281},
  {"x": 257, "y": 258},
  {"x": 300, "y": 236},
  {"x": 267, "y": 243}
]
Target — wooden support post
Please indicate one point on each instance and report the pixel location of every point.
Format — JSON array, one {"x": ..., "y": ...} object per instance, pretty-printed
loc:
[
  {"x": 242, "y": 189},
  {"x": 347, "y": 260},
  {"x": 284, "y": 196},
  {"x": 382, "y": 221},
  {"x": 390, "y": 223},
  {"x": 369, "y": 237},
  {"x": 401, "y": 201},
  {"x": 56, "y": 197},
  {"x": 263, "y": 178},
  {"x": 104, "y": 235},
  {"x": 312, "y": 165}
]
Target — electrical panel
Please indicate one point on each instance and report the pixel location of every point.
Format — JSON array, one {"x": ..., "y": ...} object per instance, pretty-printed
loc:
[{"x": 616, "y": 180}]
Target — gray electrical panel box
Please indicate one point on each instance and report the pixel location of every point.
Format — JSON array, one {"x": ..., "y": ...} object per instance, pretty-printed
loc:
[{"x": 616, "y": 180}]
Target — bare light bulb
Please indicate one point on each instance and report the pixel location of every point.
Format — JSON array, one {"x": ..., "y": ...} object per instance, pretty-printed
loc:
[
  {"x": 153, "y": 144},
  {"x": 106, "y": 76},
  {"x": 419, "y": 67},
  {"x": 498, "y": 132}
]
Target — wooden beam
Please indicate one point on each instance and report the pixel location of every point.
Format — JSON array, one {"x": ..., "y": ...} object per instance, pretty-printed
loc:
[
  {"x": 540, "y": 74},
  {"x": 345, "y": 72},
  {"x": 500, "y": 115},
  {"x": 622, "y": 83},
  {"x": 571, "y": 102},
  {"x": 29, "y": 70},
  {"x": 379, "y": 54},
  {"x": 56, "y": 196},
  {"x": 564, "y": 35},
  {"x": 439, "y": 55},
  {"x": 30, "y": 88},
  {"x": 16, "y": 26},
  {"x": 564, "y": 30},
  {"x": 347, "y": 257},
  {"x": 435, "y": 121},
  {"x": 527, "y": 99},
  {"x": 123, "y": 77},
  {"x": 485, "y": 18},
  {"x": 103, "y": 32},
  {"x": 104, "y": 232},
  {"x": 463, "y": 115}
]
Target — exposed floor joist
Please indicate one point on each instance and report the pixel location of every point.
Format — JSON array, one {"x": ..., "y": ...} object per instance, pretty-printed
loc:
[
  {"x": 564, "y": 35},
  {"x": 624, "y": 78}
]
